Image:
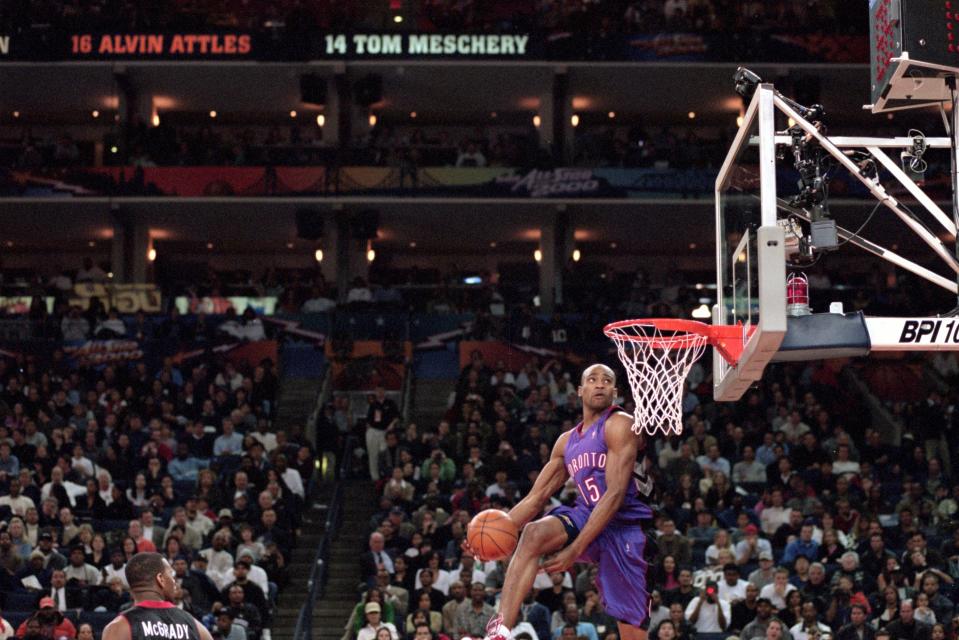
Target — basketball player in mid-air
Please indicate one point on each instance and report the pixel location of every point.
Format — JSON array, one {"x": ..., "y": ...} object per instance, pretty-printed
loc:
[
  {"x": 605, "y": 524},
  {"x": 153, "y": 615}
]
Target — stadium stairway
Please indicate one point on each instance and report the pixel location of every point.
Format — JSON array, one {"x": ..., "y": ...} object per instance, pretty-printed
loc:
[
  {"x": 430, "y": 401},
  {"x": 300, "y": 566},
  {"x": 343, "y": 585},
  {"x": 295, "y": 402}
]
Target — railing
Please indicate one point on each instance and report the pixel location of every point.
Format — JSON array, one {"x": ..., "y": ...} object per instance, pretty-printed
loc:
[
  {"x": 316, "y": 585},
  {"x": 407, "y": 393}
]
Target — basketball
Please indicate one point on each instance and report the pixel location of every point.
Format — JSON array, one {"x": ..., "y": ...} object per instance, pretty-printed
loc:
[{"x": 492, "y": 535}]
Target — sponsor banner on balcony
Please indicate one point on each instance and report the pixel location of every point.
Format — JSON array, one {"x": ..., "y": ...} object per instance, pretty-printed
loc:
[{"x": 486, "y": 182}]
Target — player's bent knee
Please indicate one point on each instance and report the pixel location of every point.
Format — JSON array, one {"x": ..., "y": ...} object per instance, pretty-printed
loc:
[{"x": 541, "y": 536}]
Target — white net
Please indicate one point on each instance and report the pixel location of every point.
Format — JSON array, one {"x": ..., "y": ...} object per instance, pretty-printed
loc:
[{"x": 657, "y": 361}]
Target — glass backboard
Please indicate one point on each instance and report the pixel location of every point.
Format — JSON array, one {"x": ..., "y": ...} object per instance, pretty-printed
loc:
[{"x": 750, "y": 255}]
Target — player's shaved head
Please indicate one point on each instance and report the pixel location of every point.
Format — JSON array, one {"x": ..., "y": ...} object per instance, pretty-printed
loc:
[
  {"x": 142, "y": 568},
  {"x": 597, "y": 368}
]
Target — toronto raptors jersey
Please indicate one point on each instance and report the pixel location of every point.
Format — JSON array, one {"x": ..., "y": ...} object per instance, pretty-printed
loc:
[
  {"x": 157, "y": 620},
  {"x": 585, "y": 460}
]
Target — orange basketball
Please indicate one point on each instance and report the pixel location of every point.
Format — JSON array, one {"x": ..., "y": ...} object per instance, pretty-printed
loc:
[{"x": 492, "y": 535}]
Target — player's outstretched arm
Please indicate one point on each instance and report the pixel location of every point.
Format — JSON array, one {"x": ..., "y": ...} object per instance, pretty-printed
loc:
[
  {"x": 550, "y": 480},
  {"x": 622, "y": 447}
]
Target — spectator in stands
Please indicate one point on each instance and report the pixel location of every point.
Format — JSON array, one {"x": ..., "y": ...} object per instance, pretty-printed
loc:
[
  {"x": 751, "y": 547},
  {"x": 745, "y": 610},
  {"x": 535, "y": 614},
  {"x": 757, "y": 627},
  {"x": 244, "y": 614},
  {"x": 359, "y": 294},
  {"x": 185, "y": 467},
  {"x": 375, "y": 559},
  {"x": 471, "y": 156},
  {"x": 318, "y": 302},
  {"x": 473, "y": 614},
  {"x": 219, "y": 561},
  {"x": 79, "y": 571},
  {"x": 721, "y": 543},
  {"x": 381, "y": 416},
  {"x": 774, "y": 512},
  {"x": 673, "y": 544},
  {"x": 777, "y": 590},
  {"x": 48, "y": 622},
  {"x": 809, "y": 627},
  {"x": 713, "y": 462},
  {"x": 857, "y": 629},
  {"x": 91, "y": 272},
  {"x": 436, "y": 597},
  {"x": 707, "y": 612},
  {"x": 18, "y": 504},
  {"x": 906, "y": 626},
  {"x": 731, "y": 588},
  {"x": 226, "y": 629},
  {"x": 685, "y": 592},
  {"x": 749, "y": 470},
  {"x": 940, "y": 605},
  {"x": 457, "y": 597},
  {"x": 228, "y": 443},
  {"x": 803, "y": 546},
  {"x": 74, "y": 327}
]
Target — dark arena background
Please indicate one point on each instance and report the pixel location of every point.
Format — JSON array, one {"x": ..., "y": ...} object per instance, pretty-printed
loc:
[{"x": 290, "y": 290}]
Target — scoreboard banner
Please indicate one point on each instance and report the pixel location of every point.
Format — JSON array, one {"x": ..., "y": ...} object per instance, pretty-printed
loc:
[{"x": 44, "y": 44}]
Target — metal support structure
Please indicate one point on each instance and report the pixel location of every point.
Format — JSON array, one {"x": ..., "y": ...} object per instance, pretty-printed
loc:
[
  {"x": 875, "y": 188},
  {"x": 914, "y": 189},
  {"x": 954, "y": 157},
  {"x": 879, "y": 251}
]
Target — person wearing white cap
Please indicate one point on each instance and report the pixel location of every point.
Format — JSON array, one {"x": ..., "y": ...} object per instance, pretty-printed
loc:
[
  {"x": 374, "y": 623},
  {"x": 766, "y": 573},
  {"x": 257, "y": 575}
]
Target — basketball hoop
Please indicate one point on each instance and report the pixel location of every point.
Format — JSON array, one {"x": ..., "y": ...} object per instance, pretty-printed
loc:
[{"x": 658, "y": 354}]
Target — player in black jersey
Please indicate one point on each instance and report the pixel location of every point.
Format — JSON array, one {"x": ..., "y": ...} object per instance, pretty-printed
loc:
[{"x": 153, "y": 615}]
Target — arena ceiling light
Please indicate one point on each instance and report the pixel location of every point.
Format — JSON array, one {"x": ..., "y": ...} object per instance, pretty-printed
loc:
[
  {"x": 702, "y": 312},
  {"x": 370, "y": 252},
  {"x": 574, "y": 120},
  {"x": 537, "y": 121},
  {"x": 293, "y": 113},
  {"x": 318, "y": 254},
  {"x": 320, "y": 120},
  {"x": 213, "y": 113},
  {"x": 577, "y": 254},
  {"x": 95, "y": 113},
  {"x": 372, "y": 119},
  {"x": 538, "y": 255},
  {"x": 151, "y": 254}
]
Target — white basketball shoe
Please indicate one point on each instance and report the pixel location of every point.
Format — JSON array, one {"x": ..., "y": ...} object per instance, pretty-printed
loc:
[{"x": 496, "y": 630}]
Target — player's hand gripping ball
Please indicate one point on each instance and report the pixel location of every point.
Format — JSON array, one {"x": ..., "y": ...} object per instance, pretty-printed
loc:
[{"x": 492, "y": 535}]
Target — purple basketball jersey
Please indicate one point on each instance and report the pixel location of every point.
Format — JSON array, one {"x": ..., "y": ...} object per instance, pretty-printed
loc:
[
  {"x": 585, "y": 460},
  {"x": 621, "y": 550}
]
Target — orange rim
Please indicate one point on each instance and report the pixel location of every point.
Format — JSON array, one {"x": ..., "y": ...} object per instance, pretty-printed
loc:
[{"x": 687, "y": 333}]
